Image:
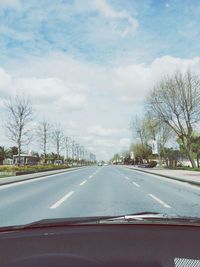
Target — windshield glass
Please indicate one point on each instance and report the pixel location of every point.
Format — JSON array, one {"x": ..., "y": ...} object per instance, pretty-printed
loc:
[{"x": 99, "y": 109}]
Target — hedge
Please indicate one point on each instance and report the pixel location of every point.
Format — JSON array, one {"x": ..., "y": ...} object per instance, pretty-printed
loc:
[{"x": 31, "y": 168}]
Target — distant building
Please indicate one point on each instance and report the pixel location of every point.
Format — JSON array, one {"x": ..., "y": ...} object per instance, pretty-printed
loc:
[
  {"x": 58, "y": 162},
  {"x": 8, "y": 161},
  {"x": 26, "y": 160}
]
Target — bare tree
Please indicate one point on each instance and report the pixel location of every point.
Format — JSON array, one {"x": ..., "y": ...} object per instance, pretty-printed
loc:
[
  {"x": 147, "y": 129},
  {"x": 141, "y": 132},
  {"x": 157, "y": 130},
  {"x": 164, "y": 134},
  {"x": 18, "y": 122},
  {"x": 67, "y": 141},
  {"x": 43, "y": 133},
  {"x": 73, "y": 150},
  {"x": 58, "y": 139},
  {"x": 175, "y": 101}
]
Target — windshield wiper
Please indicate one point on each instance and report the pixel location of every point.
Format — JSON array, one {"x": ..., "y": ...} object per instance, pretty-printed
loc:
[
  {"x": 137, "y": 217},
  {"x": 128, "y": 218},
  {"x": 83, "y": 220},
  {"x": 71, "y": 221},
  {"x": 153, "y": 217}
]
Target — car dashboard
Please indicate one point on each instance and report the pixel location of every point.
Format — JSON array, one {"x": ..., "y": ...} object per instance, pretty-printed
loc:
[{"x": 116, "y": 245}]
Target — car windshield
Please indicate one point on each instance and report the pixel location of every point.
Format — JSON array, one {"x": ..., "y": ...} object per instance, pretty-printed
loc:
[{"x": 99, "y": 110}]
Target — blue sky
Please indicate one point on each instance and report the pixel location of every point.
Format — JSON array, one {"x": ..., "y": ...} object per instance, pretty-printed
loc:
[
  {"x": 85, "y": 30},
  {"x": 102, "y": 56}
]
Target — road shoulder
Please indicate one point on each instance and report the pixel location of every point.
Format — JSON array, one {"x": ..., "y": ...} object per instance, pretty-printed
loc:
[
  {"x": 20, "y": 178},
  {"x": 190, "y": 177}
]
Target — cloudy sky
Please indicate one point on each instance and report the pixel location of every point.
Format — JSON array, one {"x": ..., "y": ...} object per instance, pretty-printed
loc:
[{"x": 89, "y": 64}]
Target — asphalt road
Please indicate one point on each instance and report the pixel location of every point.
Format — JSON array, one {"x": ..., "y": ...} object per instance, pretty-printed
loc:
[{"x": 92, "y": 191}]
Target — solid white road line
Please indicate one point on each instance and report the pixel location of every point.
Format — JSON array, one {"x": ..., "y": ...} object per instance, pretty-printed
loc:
[
  {"x": 85, "y": 181},
  {"x": 2, "y": 187},
  {"x": 160, "y": 201},
  {"x": 136, "y": 184},
  {"x": 59, "y": 202}
]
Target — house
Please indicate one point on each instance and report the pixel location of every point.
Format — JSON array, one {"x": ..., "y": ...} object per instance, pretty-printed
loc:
[
  {"x": 26, "y": 159},
  {"x": 7, "y": 161}
]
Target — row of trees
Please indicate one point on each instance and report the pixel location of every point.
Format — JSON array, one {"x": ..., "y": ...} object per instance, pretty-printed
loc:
[
  {"x": 19, "y": 130},
  {"x": 172, "y": 115},
  {"x": 53, "y": 135}
]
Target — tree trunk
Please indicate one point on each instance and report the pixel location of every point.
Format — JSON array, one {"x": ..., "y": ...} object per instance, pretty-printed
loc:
[
  {"x": 19, "y": 154},
  {"x": 170, "y": 163},
  {"x": 189, "y": 152},
  {"x": 197, "y": 160},
  {"x": 175, "y": 163},
  {"x": 45, "y": 153}
]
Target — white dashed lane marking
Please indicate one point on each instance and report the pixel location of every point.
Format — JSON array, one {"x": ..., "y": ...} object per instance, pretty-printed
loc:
[
  {"x": 136, "y": 184},
  {"x": 85, "y": 181},
  {"x": 160, "y": 201},
  {"x": 59, "y": 202}
]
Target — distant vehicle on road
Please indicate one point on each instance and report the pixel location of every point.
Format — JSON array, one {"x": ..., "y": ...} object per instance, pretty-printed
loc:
[{"x": 100, "y": 164}]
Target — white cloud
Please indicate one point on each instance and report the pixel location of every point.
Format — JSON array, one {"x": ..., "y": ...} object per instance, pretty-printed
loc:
[
  {"x": 60, "y": 66},
  {"x": 102, "y": 131},
  {"x": 101, "y": 139},
  {"x": 124, "y": 142},
  {"x": 75, "y": 93},
  {"x": 5, "y": 79},
  {"x": 123, "y": 22},
  {"x": 133, "y": 81},
  {"x": 63, "y": 78},
  {"x": 71, "y": 102},
  {"x": 11, "y": 3},
  {"x": 60, "y": 94},
  {"x": 103, "y": 7},
  {"x": 22, "y": 36}
]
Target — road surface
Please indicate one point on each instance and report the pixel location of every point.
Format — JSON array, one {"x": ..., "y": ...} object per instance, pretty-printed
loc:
[{"x": 93, "y": 191}]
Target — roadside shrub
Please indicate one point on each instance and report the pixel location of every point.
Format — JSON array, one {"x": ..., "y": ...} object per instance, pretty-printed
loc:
[
  {"x": 31, "y": 168},
  {"x": 179, "y": 165},
  {"x": 8, "y": 168},
  {"x": 152, "y": 164}
]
